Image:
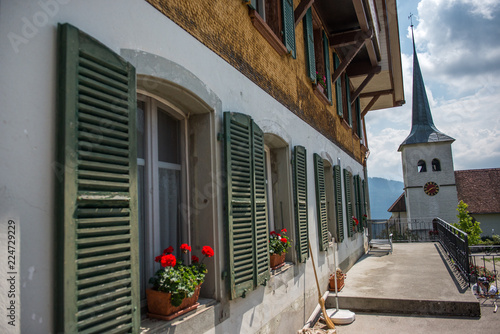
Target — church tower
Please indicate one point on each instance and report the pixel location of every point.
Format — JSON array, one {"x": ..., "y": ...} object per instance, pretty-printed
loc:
[{"x": 429, "y": 176}]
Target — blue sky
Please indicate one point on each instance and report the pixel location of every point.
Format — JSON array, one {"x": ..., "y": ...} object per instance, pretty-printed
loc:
[{"x": 458, "y": 46}]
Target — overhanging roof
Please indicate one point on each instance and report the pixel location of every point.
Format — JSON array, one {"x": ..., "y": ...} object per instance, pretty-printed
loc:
[{"x": 369, "y": 29}]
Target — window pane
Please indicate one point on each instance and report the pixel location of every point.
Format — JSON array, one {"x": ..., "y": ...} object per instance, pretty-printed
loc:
[
  {"x": 169, "y": 188},
  {"x": 168, "y": 138},
  {"x": 140, "y": 129}
]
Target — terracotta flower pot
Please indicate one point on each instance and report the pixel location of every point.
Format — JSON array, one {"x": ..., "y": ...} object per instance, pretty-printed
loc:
[
  {"x": 160, "y": 306},
  {"x": 276, "y": 260},
  {"x": 340, "y": 281}
]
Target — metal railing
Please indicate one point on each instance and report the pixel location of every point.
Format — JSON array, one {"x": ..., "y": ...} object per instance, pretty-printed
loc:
[
  {"x": 404, "y": 230},
  {"x": 483, "y": 260},
  {"x": 456, "y": 244}
]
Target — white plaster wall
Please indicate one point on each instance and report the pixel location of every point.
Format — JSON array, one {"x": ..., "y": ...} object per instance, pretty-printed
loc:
[{"x": 27, "y": 137}]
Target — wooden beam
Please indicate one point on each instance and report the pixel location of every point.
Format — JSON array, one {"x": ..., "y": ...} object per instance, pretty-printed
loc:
[
  {"x": 369, "y": 105},
  {"x": 380, "y": 92},
  {"x": 365, "y": 82},
  {"x": 345, "y": 38},
  {"x": 348, "y": 59},
  {"x": 361, "y": 69},
  {"x": 301, "y": 10}
]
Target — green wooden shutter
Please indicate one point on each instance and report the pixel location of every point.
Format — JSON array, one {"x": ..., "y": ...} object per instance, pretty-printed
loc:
[
  {"x": 359, "y": 130},
  {"x": 288, "y": 26},
  {"x": 321, "y": 202},
  {"x": 300, "y": 183},
  {"x": 326, "y": 54},
  {"x": 261, "y": 233},
  {"x": 238, "y": 154},
  {"x": 348, "y": 97},
  {"x": 338, "y": 202},
  {"x": 357, "y": 197},
  {"x": 338, "y": 87},
  {"x": 309, "y": 41},
  {"x": 364, "y": 203},
  {"x": 98, "y": 209},
  {"x": 251, "y": 3},
  {"x": 348, "y": 201}
]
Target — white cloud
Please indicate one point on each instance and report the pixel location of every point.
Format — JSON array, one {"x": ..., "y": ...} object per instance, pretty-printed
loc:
[{"x": 458, "y": 48}]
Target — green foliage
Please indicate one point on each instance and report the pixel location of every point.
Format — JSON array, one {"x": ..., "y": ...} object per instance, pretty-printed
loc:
[
  {"x": 279, "y": 242},
  {"x": 468, "y": 224},
  {"x": 180, "y": 280},
  {"x": 493, "y": 240}
]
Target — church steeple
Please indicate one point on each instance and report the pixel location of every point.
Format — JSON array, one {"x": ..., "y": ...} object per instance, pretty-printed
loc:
[{"x": 423, "y": 129}]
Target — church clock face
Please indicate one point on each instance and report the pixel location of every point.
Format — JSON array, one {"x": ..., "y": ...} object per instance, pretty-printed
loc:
[{"x": 431, "y": 188}]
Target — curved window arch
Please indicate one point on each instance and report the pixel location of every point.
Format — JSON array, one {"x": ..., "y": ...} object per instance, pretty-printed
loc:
[
  {"x": 436, "y": 165},
  {"x": 422, "y": 167}
]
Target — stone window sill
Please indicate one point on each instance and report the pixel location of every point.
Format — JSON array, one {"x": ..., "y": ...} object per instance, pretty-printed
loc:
[
  {"x": 267, "y": 33},
  {"x": 182, "y": 322}
]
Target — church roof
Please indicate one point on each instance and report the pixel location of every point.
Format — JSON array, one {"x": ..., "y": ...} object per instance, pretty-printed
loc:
[
  {"x": 480, "y": 189},
  {"x": 423, "y": 129}
]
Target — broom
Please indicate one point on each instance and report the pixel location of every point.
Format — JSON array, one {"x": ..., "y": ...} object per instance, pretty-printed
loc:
[{"x": 321, "y": 301}]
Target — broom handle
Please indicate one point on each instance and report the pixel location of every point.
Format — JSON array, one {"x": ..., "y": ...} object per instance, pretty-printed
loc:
[{"x": 314, "y": 267}]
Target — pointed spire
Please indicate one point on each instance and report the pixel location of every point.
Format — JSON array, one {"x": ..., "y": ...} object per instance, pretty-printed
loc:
[{"x": 423, "y": 129}]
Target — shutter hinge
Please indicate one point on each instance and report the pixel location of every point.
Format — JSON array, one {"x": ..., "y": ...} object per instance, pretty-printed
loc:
[
  {"x": 220, "y": 136},
  {"x": 265, "y": 282}
]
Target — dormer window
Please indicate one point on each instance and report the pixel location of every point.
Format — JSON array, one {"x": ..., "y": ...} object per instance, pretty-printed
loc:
[
  {"x": 422, "y": 168},
  {"x": 436, "y": 165}
]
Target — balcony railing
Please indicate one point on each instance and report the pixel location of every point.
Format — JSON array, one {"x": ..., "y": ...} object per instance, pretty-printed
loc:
[{"x": 406, "y": 230}]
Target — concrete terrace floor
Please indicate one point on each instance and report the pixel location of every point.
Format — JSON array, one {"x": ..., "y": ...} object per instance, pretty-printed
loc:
[{"x": 413, "y": 290}]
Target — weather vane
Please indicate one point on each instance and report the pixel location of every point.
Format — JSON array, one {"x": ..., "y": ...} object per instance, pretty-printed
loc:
[{"x": 410, "y": 17}]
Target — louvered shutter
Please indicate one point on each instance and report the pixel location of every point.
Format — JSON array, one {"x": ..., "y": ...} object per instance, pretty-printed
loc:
[
  {"x": 338, "y": 202},
  {"x": 238, "y": 153},
  {"x": 357, "y": 197},
  {"x": 300, "y": 183},
  {"x": 288, "y": 26},
  {"x": 321, "y": 202},
  {"x": 260, "y": 208},
  {"x": 251, "y": 3},
  {"x": 326, "y": 54},
  {"x": 359, "y": 130},
  {"x": 309, "y": 41},
  {"x": 364, "y": 199},
  {"x": 348, "y": 200},
  {"x": 338, "y": 87},
  {"x": 348, "y": 98},
  {"x": 99, "y": 230}
]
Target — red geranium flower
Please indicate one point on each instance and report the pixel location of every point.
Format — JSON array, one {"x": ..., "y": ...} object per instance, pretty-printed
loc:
[
  {"x": 168, "y": 250},
  {"x": 207, "y": 251},
  {"x": 284, "y": 240},
  {"x": 195, "y": 259},
  {"x": 273, "y": 233},
  {"x": 168, "y": 260},
  {"x": 158, "y": 258},
  {"x": 185, "y": 248},
  {"x": 283, "y": 230}
]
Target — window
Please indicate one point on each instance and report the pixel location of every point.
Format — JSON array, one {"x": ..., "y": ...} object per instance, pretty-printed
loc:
[
  {"x": 421, "y": 167},
  {"x": 317, "y": 55},
  {"x": 275, "y": 21},
  {"x": 357, "y": 120},
  {"x": 279, "y": 194},
  {"x": 173, "y": 163},
  {"x": 436, "y": 165}
]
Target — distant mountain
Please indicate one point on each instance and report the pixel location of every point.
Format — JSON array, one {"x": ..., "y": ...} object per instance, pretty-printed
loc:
[{"x": 383, "y": 193}]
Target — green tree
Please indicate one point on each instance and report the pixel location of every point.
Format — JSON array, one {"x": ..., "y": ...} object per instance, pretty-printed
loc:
[{"x": 468, "y": 224}]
